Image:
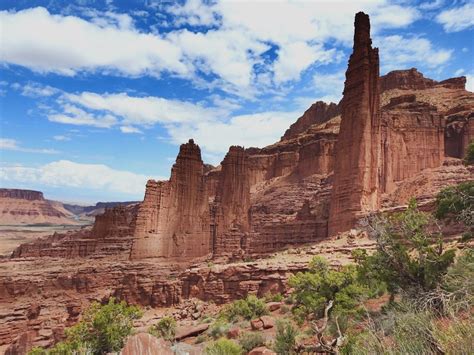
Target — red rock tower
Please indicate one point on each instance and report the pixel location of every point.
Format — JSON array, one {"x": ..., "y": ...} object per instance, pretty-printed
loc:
[
  {"x": 356, "y": 183},
  {"x": 173, "y": 220}
]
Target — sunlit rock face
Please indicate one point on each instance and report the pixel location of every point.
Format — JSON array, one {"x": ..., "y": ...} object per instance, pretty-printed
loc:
[
  {"x": 357, "y": 160},
  {"x": 174, "y": 218},
  {"x": 335, "y": 163}
]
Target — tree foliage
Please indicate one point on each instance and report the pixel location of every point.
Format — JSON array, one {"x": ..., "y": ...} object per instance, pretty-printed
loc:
[
  {"x": 409, "y": 256},
  {"x": 458, "y": 202},
  {"x": 248, "y": 308},
  {"x": 315, "y": 288},
  {"x": 165, "y": 328},
  {"x": 469, "y": 158},
  {"x": 102, "y": 329}
]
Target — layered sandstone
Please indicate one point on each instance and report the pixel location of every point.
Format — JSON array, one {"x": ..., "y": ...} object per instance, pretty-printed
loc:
[
  {"x": 30, "y": 207},
  {"x": 111, "y": 234},
  {"x": 174, "y": 218},
  {"x": 357, "y": 160},
  {"x": 232, "y": 202},
  {"x": 412, "y": 140},
  {"x": 318, "y": 113}
]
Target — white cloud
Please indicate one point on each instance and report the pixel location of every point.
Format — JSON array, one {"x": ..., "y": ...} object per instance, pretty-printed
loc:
[
  {"x": 433, "y": 5},
  {"x": 330, "y": 84},
  {"x": 75, "y": 116},
  {"x": 226, "y": 55},
  {"x": 195, "y": 13},
  {"x": 294, "y": 58},
  {"x": 36, "y": 39},
  {"x": 143, "y": 111},
  {"x": 253, "y": 130},
  {"x": 398, "y": 52},
  {"x": 61, "y": 138},
  {"x": 14, "y": 145},
  {"x": 457, "y": 19},
  {"x": 129, "y": 129},
  {"x": 65, "y": 173},
  {"x": 32, "y": 89}
]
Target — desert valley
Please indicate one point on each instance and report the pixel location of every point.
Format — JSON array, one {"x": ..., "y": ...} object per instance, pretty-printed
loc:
[{"x": 212, "y": 235}]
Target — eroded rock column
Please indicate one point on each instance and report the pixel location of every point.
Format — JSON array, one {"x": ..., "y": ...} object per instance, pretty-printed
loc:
[
  {"x": 356, "y": 183},
  {"x": 174, "y": 218}
]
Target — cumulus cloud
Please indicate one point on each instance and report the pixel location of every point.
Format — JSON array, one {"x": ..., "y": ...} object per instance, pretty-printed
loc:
[
  {"x": 330, "y": 84},
  {"x": 226, "y": 53},
  {"x": 74, "y": 115},
  {"x": 145, "y": 111},
  {"x": 400, "y": 52},
  {"x": 65, "y": 173},
  {"x": 458, "y": 18},
  {"x": 214, "y": 127},
  {"x": 35, "y": 90},
  {"x": 129, "y": 129},
  {"x": 14, "y": 145},
  {"x": 67, "y": 44},
  {"x": 252, "y": 130}
]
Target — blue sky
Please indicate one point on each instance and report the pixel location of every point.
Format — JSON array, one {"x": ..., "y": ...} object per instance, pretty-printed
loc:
[{"x": 96, "y": 96}]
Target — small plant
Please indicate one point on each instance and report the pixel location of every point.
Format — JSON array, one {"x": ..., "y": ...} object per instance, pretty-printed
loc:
[
  {"x": 223, "y": 346},
  {"x": 469, "y": 158},
  {"x": 165, "y": 328},
  {"x": 103, "y": 329},
  {"x": 251, "y": 340},
  {"x": 201, "y": 338},
  {"x": 249, "y": 308},
  {"x": 285, "y": 339},
  {"x": 219, "y": 328},
  {"x": 273, "y": 297}
]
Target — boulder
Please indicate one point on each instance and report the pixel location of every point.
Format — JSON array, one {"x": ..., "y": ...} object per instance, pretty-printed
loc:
[
  {"x": 146, "y": 344},
  {"x": 190, "y": 331}
]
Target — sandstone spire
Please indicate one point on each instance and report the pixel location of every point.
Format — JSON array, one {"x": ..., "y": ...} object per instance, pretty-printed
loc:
[
  {"x": 356, "y": 185},
  {"x": 173, "y": 220}
]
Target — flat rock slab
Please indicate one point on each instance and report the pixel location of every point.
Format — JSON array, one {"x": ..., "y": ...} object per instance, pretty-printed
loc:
[
  {"x": 146, "y": 344},
  {"x": 190, "y": 331}
]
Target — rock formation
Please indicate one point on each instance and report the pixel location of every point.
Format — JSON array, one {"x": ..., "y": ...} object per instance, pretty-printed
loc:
[
  {"x": 357, "y": 160},
  {"x": 231, "y": 204},
  {"x": 318, "y": 113},
  {"x": 334, "y": 164},
  {"x": 30, "y": 207},
  {"x": 174, "y": 218}
]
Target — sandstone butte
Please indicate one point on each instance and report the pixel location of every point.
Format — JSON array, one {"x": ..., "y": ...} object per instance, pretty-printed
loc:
[{"x": 390, "y": 138}]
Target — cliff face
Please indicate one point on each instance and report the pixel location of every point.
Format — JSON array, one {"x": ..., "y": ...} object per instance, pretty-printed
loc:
[
  {"x": 412, "y": 140},
  {"x": 29, "y": 195},
  {"x": 174, "y": 218},
  {"x": 334, "y": 164},
  {"x": 232, "y": 201},
  {"x": 29, "y": 207},
  {"x": 111, "y": 235},
  {"x": 318, "y": 113},
  {"x": 357, "y": 160}
]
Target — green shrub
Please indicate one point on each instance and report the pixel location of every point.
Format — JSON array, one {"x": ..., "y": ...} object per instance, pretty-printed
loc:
[
  {"x": 248, "y": 308},
  {"x": 285, "y": 338},
  {"x": 165, "y": 328},
  {"x": 103, "y": 329},
  {"x": 469, "y": 158},
  {"x": 457, "y": 201},
  {"x": 219, "y": 328},
  {"x": 251, "y": 340},
  {"x": 315, "y": 288},
  {"x": 201, "y": 338},
  {"x": 273, "y": 297},
  {"x": 223, "y": 346},
  {"x": 455, "y": 335},
  {"x": 409, "y": 257}
]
